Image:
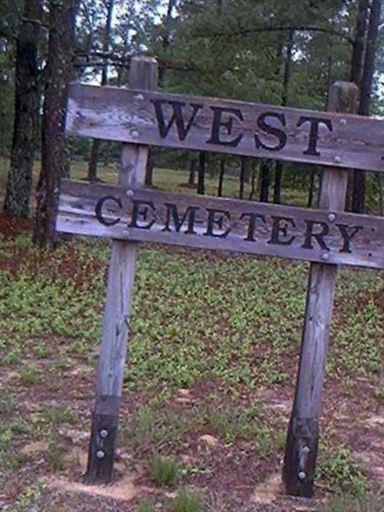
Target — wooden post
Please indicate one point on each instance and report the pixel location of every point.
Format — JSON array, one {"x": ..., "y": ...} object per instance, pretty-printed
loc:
[
  {"x": 303, "y": 430},
  {"x": 143, "y": 75}
]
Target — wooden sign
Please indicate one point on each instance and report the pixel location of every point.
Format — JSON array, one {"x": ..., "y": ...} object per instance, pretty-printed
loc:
[
  {"x": 326, "y": 237},
  {"x": 235, "y": 127},
  {"x": 221, "y": 224}
]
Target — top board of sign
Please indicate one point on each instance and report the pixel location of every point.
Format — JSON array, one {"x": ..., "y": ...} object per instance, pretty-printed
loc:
[{"x": 226, "y": 126}]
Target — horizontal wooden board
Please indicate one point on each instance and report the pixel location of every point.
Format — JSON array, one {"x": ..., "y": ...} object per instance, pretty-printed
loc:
[
  {"x": 209, "y": 124},
  {"x": 221, "y": 224}
]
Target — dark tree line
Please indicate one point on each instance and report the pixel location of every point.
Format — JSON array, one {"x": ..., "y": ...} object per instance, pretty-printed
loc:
[{"x": 263, "y": 52}]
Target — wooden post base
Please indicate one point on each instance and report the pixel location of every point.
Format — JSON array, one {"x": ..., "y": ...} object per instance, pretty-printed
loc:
[
  {"x": 300, "y": 456},
  {"x": 103, "y": 441}
]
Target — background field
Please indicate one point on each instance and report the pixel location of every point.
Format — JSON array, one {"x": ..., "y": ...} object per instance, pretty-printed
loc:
[{"x": 208, "y": 389}]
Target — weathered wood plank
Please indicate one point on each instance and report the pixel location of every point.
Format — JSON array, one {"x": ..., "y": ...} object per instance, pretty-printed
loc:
[
  {"x": 110, "y": 375},
  {"x": 303, "y": 431},
  {"x": 235, "y": 127},
  {"x": 246, "y": 226}
]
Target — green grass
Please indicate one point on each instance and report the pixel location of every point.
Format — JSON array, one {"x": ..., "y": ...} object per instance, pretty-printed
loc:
[
  {"x": 225, "y": 327},
  {"x": 339, "y": 469},
  {"x": 347, "y": 504},
  {"x": 185, "y": 501},
  {"x": 164, "y": 471}
]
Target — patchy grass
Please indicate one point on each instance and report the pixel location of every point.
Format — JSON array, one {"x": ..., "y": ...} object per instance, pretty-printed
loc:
[
  {"x": 164, "y": 471},
  {"x": 186, "y": 501},
  {"x": 209, "y": 383}
]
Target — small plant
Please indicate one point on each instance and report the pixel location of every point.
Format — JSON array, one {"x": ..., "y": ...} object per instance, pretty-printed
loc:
[
  {"x": 186, "y": 501},
  {"x": 346, "y": 504},
  {"x": 40, "y": 351},
  {"x": 146, "y": 506},
  {"x": 164, "y": 471},
  {"x": 29, "y": 375},
  {"x": 55, "y": 456},
  {"x": 341, "y": 471}
]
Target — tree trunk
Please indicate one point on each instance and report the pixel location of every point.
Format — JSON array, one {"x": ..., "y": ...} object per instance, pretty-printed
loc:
[
  {"x": 311, "y": 189},
  {"x": 253, "y": 183},
  {"x": 192, "y": 172},
  {"x": 359, "y": 42},
  {"x": 284, "y": 102},
  {"x": 221, "y": 178},
  {"x": 166, "y": 39},
  {"x": 358, "y": 197},
  {"x": 357, "y": 180},
  {"x": 245, "y": 171},
  {"x": 265, "y": 179},
  {"x": 19, "y": 184},
  {"x": 201, "y": 174},
  {"x": 55, "y": 160},
  {"x": 92, "y": 168},
  {"x": 149, "y": 170}
]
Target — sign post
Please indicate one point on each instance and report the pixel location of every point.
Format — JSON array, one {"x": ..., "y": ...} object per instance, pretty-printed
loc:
[
  {"x": 128, "y": 213},
  {"x": 303, "y": 431},
  {"x": 143, "y": 74}
]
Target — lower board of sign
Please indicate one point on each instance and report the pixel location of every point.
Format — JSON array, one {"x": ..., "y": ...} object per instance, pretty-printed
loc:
[{"x": 221, "y": 224}]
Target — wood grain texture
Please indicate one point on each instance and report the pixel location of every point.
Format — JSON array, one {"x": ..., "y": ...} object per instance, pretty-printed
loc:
[
  {"x": 303, "y": 432},
  {"x": 77, "y": 214},
  {"x": 129, "y": 115},
  {"x": 110, "y": 375}
]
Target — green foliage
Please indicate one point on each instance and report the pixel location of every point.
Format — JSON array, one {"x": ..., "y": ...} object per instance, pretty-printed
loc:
[
  {"x": 340, "y": 470},
  {"x": 347, "y": 504},
  {"x": 186, "y": 501},
  {"x": 146, "y": 506},
  {"x": 164, "y": 471}
]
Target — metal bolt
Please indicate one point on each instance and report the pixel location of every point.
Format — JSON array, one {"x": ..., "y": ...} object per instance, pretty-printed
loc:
[
  {"x": 139, "y": 97},
  {"x": 337, "y": 159},
  {"x": 325, "y": 256},
  {"x": 343, "y": 121},
  {"x": 302, "y": 475},
  {"x": 103, "y": 433},
  {"x": 129, "y": 193},
  {"x": 331, "y": 217},
  {"x": 100, "y": 454},
  {"x": 306, "y": 450},
  {"x": 134, "y": 133}
]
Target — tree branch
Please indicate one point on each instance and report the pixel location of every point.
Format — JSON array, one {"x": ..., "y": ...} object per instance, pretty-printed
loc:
[{"x": 299, "y": 28}]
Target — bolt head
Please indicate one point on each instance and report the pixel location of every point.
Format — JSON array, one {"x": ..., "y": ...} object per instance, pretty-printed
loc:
[
  {"x": 103, "y": 433},
  {"x": 129, "y": 193},
  {"x": 135, "y": 133},
  {"x": 302, "y": 475},
  {"x": 343, "y": 121},
  {"x": 337, "y": 159},
  {"x": 100, "y": 454},
  {"x": 331, "y": 217},
  {"x": 325, "y": 256}
]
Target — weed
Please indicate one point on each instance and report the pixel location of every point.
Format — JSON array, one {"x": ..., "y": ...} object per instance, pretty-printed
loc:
[
  {"x": 348, "y": 504},
  {"x": 29, "y": 375},
  {"x": 338, "y": 467},
  {"x": 164, "y": 471},
  {"x": 55, "y": 456},
  {"x": 186, "y": 501},
  {"x": 146, "y": 506}
]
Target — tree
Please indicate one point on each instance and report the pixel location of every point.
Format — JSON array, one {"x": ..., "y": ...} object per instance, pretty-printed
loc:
[
  {"x": 55, "y": 162},
  {"x": 27, "y": 99},
  {"x": 358, "y": 192},
  {"x": 284, "y": 103},
  {"x": 92, "y": 168}
]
